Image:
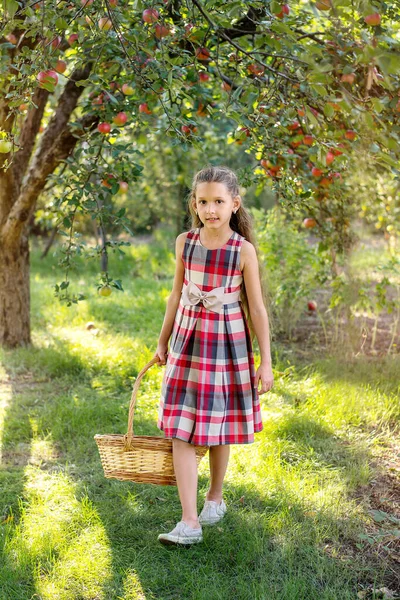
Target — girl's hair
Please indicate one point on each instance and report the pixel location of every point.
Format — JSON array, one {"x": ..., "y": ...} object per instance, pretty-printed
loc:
[{"x": 241, "y": 222}]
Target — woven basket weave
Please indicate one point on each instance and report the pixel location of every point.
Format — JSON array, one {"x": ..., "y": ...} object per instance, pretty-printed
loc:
[{"x": 140, "y": 458}]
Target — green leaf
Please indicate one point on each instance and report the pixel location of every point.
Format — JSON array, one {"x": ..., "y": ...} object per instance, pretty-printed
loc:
[
  {"x": 11, "y": 7},
  {"x": 61, "y": 24}
]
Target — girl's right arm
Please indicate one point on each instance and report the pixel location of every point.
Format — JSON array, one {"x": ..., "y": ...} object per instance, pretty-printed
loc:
[{"x": 173, "y": 301}]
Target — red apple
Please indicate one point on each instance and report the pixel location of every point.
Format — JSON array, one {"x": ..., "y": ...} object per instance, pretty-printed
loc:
[
  {"x": 301, "y": 112},
  {"x": 143, "y": 108},
  {"x": 127, "y": 89},
  {"x": 105, "y": 24},
  {"x": 123, "y": 187},
  {"x": 293, "y": 125},
  {"x": 203, "y": 76},
  {"x": 23, "y": 107},
  {"x": 308, "y": 140},
  {"x": 225, "y": 86},
  {"x": 47, "y": 78},
  {"x": 113, "y": 3},
  {"x": 150, "y": 15},
  {"x": 315, "y": 172},
  {"x": 120, "y": 119},
  {"x": 86, "y": 2},
  {"x": 104, "y": 127},
  {"x": 309, "y": 223},
  {"x": 202, "y": 54},
  {"x": 330, "y": 157},
  {"x": 350, "y": 135},
  {"x": 56, "y": 42},
  {"x": 373, "y": 19},
  {"x": 161, "y": 31},
  {"x": 61, "y": 66},
  {"x": 325, "y": 182},
  {"x": 312, "y": 305},
  {"x": 72, "y": 39},
  {"x": 285, "y": 10}
]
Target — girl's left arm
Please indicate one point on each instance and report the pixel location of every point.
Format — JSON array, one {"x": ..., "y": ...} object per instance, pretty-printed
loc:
[{"x": 258, "y": 314}]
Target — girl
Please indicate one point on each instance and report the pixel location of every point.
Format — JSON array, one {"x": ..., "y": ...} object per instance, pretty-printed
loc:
[{"x": 209, "y": 392}]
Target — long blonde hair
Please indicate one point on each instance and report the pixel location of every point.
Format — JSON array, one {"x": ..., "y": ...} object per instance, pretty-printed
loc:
[{"x": 241, "y": 222}]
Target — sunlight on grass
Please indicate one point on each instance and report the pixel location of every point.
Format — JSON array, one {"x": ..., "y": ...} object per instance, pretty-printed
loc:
[
  {"x": 63, "y": 536},
  {"x": 132, "y": 588},
  {"x": 5, "y": 398}
]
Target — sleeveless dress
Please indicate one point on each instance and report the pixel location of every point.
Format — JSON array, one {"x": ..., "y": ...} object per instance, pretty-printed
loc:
[{"x": 208, "y": 392}]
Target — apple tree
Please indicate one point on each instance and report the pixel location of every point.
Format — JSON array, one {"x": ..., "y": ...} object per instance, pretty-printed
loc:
[{"x": 303, "y": 89}]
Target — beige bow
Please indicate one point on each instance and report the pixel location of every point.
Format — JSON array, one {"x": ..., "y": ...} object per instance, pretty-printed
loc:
[{"x": 213, "y": 300}]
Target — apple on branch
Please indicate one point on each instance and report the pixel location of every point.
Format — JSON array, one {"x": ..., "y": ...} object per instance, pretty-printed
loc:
[
  {"x": 104, "y": 127},
  {"x": 72, "y": 39},
  {"x": 105, "y": 24},
  {"x": 120, "y": 119},
  {"x": 374, "y": 19},
  {"x": 309, "y": 223},
  {"x": 61, "y": 66},
  {"x": 47, "y": 80},
  {"x": 143, "y": 108},
  {"x": 150, "y": 15},
  {"x": 127, "y": 89},
  {"x": 5, "y": 146}
]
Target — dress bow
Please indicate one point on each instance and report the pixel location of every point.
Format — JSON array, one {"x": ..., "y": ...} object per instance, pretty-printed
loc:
[{"x": 213, "y": 300}]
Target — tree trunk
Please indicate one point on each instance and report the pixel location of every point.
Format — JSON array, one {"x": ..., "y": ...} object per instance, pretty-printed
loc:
[{"x": 14, "y": 294}]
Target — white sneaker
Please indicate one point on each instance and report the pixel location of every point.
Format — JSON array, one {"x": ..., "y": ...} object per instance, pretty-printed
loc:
[
  {"x": 212, "y": 512},
  {"x": 182, "y": 534}
]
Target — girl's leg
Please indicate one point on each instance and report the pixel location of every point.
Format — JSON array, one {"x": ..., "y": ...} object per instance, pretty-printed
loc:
[
  {"x": 185, "y": 466},
  {"x": 219, "y": 457}
]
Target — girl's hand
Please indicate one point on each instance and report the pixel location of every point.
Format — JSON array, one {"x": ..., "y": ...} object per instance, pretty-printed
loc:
[
  {"x": 162, "y": 353},
  {"x": 265, "y": 376}
]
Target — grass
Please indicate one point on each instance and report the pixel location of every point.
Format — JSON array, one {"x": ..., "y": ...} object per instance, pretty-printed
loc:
[{"x": 296, "y": 514}]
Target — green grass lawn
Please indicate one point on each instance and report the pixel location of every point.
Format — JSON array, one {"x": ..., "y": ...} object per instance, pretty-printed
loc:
[{"x": 301, "y": 499}]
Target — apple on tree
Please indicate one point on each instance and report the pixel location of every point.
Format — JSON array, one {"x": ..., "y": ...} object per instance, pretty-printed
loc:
[
  {"x": 143, "y": 108},
  {"x": 72, "y": 39},
  {"x": 309, "y": 223},
  {"x": 161, "y": 31},
  {"x": 373, "y": 19},
  {"x": 5, "y": 146},
  {"x": 47, "y": 79},
  {"x": 104, "y": 127},
  {"x": 61, "y": 66},
  {"x": 127, "y": 89},
  {"x": 123, "y": 187},
  {"x": 105, "y": 24},
  {"x": 150, "y": 15},
  {"x": 311, "y": 305},
  {"x": 120, "y": 119}
]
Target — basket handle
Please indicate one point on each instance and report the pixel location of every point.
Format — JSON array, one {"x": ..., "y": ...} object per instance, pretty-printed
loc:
[{"x": 129, "y": 435}]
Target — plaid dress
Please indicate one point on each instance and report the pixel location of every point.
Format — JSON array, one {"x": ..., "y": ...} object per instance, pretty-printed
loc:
[{"x": 208, "y": 392}]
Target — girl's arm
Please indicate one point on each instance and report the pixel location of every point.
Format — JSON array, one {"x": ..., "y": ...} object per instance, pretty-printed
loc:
[
  {"x": 173, "y": 300},
  {"x": 258, "y": 313}
]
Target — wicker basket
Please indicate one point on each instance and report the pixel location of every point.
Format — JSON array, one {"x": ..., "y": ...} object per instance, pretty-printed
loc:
[{"x": 140, "y": 458}]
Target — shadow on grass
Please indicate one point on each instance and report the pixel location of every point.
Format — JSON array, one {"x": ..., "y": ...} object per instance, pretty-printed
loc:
[{"x": 266, "y": 548}]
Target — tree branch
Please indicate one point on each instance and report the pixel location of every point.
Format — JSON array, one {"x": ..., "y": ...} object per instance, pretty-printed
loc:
[
  {"x": 56, "y": 145},
  {"x": 28, "y": 135}
]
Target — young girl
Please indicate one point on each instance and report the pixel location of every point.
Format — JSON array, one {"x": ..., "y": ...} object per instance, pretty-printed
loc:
[{"x": 209, "y": 393}]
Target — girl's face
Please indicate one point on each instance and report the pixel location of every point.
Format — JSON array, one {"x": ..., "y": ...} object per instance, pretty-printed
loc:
[{"x": 214, "y": 203}]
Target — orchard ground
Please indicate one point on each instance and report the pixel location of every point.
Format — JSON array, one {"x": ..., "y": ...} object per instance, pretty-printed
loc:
[{"x": 314, "y": 509}]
